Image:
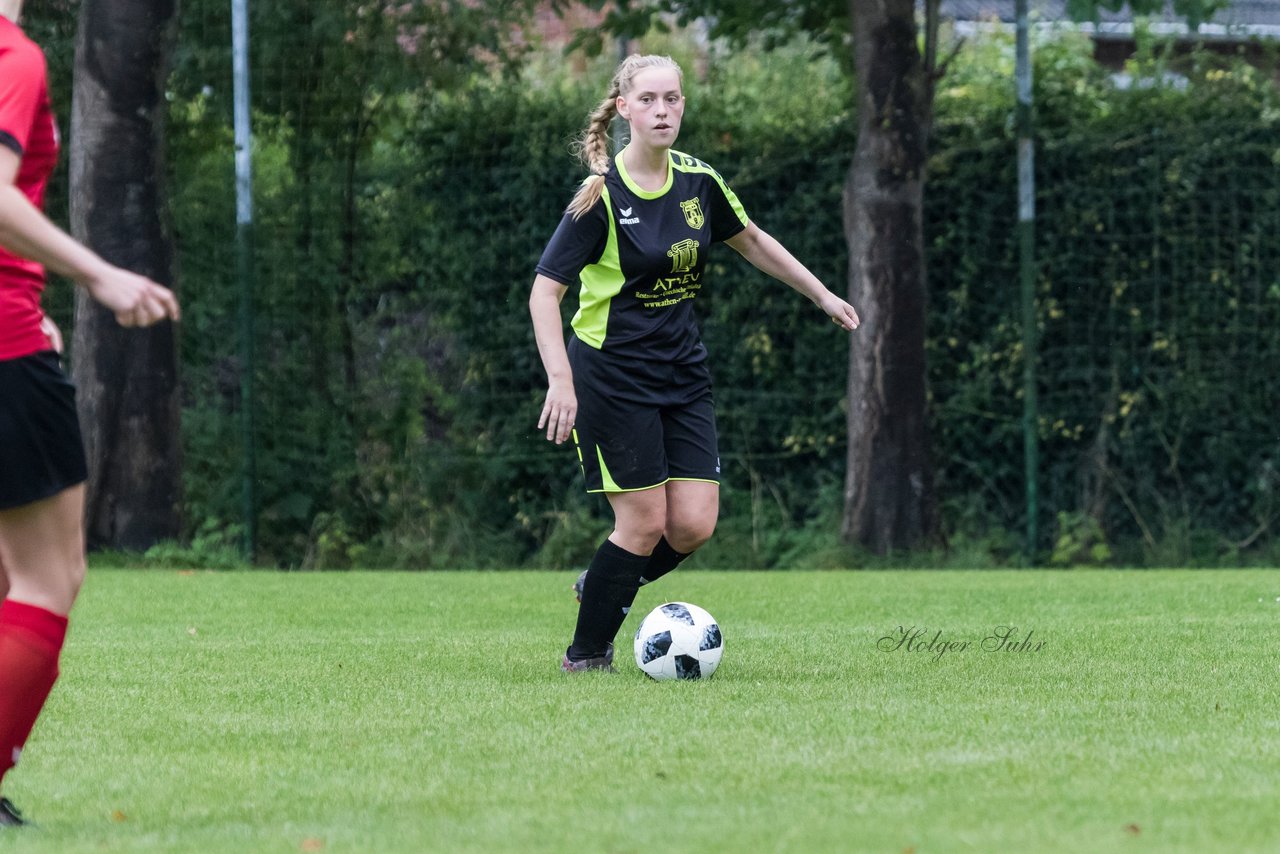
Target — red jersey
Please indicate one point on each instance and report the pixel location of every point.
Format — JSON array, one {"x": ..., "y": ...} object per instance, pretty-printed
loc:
[{"x": 28, "y": 128}]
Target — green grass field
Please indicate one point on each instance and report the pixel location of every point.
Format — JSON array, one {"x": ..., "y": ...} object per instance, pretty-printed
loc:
[{"x": 383, "y": 712}]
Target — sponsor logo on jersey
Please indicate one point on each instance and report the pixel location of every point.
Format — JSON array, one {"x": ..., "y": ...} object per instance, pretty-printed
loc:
[
  {"x": 682, "y": 283},
  {"x": 683, "y": 255},
  {"x": 627, "y": 218},
  {"x": 692, "y": 213}
]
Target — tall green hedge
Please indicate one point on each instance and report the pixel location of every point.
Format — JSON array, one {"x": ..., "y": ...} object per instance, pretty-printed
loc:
[{"x": 399, "y": 383}]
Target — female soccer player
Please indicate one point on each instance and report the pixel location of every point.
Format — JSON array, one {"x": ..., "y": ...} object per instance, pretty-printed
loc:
[
  {"x": 632, "y": 387},
  {"x": 42, "y": 463}
]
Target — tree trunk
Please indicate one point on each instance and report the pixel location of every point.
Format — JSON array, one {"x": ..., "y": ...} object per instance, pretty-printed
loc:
[
  {"x": 128, "y": 379},
  {"x": 889, "y": 501}
]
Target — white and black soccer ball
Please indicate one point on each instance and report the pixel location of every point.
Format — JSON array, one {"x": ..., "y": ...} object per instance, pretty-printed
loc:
[{"x": 679, "y": 641}]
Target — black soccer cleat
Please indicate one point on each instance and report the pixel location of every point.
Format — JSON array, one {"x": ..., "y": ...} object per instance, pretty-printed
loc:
[
  {"x": 602, "y": 663},
  {"x": 9, "y": 815}
]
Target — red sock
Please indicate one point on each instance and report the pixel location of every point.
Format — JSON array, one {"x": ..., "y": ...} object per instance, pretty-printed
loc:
[{"x": 30, "y": 641}]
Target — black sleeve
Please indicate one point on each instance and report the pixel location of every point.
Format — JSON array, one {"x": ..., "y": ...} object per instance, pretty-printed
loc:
[
  {"x": 727, "y": 216},
  {"x": 575, "y": 244}
]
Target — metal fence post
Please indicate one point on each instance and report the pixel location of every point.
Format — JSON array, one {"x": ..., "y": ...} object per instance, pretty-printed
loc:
[
  {"x": 245, "y": 265},
  {"x": 1027, "y": 275}
]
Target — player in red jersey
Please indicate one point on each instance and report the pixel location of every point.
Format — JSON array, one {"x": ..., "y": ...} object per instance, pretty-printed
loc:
[{"x": 42, "y": 462}]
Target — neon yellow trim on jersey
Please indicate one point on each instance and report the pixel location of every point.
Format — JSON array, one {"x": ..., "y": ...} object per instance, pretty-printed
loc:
[
  {"x": 678, "y": 160},
  {"x": 636, "y": 188},
  {"x": 601, "y": 282}
]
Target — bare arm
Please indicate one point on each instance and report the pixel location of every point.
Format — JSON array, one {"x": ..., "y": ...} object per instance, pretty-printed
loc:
[
  {"x": 25, "y": 231},
  {"x": 561, "y": 406},
  {"x": 770, "y": 256}
]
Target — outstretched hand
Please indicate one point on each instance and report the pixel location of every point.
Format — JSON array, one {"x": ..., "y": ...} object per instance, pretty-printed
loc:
[
  {"x": 135, "y": 300},
  {"x": 841, "y": 313}
]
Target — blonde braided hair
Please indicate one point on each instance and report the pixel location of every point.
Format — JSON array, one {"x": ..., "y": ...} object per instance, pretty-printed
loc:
[{"x": 593, "y": 145}]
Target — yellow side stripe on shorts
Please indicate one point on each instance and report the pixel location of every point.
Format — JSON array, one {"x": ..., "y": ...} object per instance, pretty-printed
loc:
[
  {"x": 618, "y": 489},
  {"x": 606, "y": 479}
]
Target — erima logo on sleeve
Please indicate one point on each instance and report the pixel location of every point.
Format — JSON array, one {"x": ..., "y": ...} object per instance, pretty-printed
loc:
[{"x": 627, "y": 218}]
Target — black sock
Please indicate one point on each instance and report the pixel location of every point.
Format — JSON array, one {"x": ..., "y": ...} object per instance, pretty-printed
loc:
[
  {"x": 610, "y": 587},
  {"x": 663, "y": 560}
]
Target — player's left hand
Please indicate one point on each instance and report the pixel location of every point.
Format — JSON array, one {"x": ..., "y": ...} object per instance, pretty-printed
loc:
[
  {"x": 52, "y": 332},
  {"x": 135, "y": 300},
  {"x": 841, "y": 313}
]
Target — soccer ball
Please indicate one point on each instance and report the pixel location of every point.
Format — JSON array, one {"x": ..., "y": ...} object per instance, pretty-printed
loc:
[{"x": 678, "y": 641}]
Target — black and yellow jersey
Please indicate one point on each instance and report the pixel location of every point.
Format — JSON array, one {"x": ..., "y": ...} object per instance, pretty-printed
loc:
[{"x": 640, "y": 257}]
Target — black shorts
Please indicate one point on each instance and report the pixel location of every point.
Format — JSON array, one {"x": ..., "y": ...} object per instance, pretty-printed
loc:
[
  {"x": 640, "y": 423},
  {"x": 41, "y": 451}
]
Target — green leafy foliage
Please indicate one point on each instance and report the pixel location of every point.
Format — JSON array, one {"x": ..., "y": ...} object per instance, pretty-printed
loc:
[
  {"x": 1155, "y": 270},
  {"x": 740, "y": 21},
  {"x": 1079, "y": 541},
  {"x": 401, "y": 211}
]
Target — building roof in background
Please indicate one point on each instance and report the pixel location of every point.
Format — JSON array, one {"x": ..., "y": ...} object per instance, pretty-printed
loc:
[{"x": 1261, "y": 17}]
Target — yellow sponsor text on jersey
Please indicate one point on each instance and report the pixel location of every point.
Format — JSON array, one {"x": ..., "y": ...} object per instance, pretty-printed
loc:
[{"x": 683, "y": 281}]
